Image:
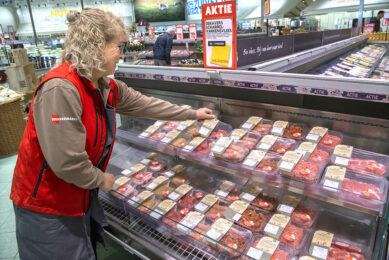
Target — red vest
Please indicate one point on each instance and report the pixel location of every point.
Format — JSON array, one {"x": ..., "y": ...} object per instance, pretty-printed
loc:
[{"x": 34, "y": 185}]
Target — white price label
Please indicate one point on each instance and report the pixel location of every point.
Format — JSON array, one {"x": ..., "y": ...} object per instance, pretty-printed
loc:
[
  {"x": 271, "y": 229},
  {"x": 237, "y": 216},
  {"x": 320, "y": 252},
  {"x": 331, "y": 184},
  {"x": 152, "y": 186},
  {"x": 263, "y": 146},
  {"x": 214, "y": 234},
  {"x": 133, "y": 200},
  {"x": 312, "y": 137},
  {"x": 145, "y": 161},
  {"x": 189, "y": 147},
  {"x": 302, "y": 153},
  {"x": 157, "y": 214},
  {"x": 181, "y": 127},
  {"x": 217, "y": 149},
  {"x": 159, "y": 123},
  {"x": 204, "y": 131},
  {"x": 126, "y": 172},
  {"x": 287, "y": 165},
  {"x": 201, "y": 207},
  {"x": 286, "y": 209},
  {"x": 222, "y": 193},
  {"x": 255, "y": 253},
  {"x": 174, "y": 196},
  {"x": 166, "y": 140},
  {"x": 144, "y": 134},
  {"x": 277, "y": 130},
  {"x": 170, "y": 173},
  {"x": 250, "y": 162},
  {"x": 247, "y": 126},
  {"x": 248, "y": 197},
  {"x": 341, "y": 161}
]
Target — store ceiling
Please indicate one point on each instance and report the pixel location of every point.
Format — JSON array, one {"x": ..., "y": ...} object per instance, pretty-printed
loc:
[{"x": 296, "y": 10}]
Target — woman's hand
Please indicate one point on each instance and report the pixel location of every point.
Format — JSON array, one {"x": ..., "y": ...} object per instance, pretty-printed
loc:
[{"x": 204, "y": 113}]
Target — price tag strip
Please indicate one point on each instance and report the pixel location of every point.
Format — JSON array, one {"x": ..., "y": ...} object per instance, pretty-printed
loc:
[
  {"x": 157, "y": 182},
  {"x": 235, "y": 210},
  {"x": 190, "y": 221},
  {"x": 266, "y": 142},
  {"x": 174, "y": 171},
  {"x": 342, "y": 155},
  {"x": 180, "y": 192},
  {"x": 279, "y": 128},
  {"x": 140, "y": 198},
  {"x": 206, "y": 203},
  {"x": 321, "y": 244},
  {"x": 120, "y": 182},
  {"x": 288, "y": 161},
  {"x": 221, "y": 146},
  {"x": 218, "y": 230},
  {"x": 169, "y": 137},
  {"x": 162, "y": 208},
  {"x": 251, "y": 191},
  {"x": 134, "y": 169},
  {"x": 225, "y": 189},
  {"x": 316, "y": 134},
  {"x": 334, "y": 177},
  {"x": 207, "y": 127},
  {"x": 251, "y": 123},
  {"x": 276, "y": 225},
  {"x": 288, "y": 204},
  {"x": 193, "y": 144},
  {"x": 264, "y": 249},
  {"x": 238, "y": 134},
  {"x": 306, "y": 149},
  {"x": 254, "y": 158},
  {"x": 149, "y": 131},
  {"x": 185, "y": 124}
]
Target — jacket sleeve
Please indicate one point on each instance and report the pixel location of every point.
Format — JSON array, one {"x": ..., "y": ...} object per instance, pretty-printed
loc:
[
  {"x": 133, "y": 103},
  {"x": 63, "y": 144},
  {"x": 168, "y": 49}
]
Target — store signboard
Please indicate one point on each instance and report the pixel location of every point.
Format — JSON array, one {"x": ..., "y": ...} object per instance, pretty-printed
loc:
[
  {"x": 179, "y": 32},
  {"x": 267, "y": 7},
  {"x": 256, "y": 50},
  {"x": 193, "y": 31},
  {"x": 368, "y": 28},
  {"x": 219, "y": 35},
  {"x": 151, "y": 33}
]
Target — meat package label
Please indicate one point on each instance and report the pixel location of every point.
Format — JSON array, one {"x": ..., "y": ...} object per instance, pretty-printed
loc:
[
  {"x": 334, "y": 176},
  {"x": 159, "y": 123},
  {"x": 143, "y": 196},
  {"x": 266, "y": 142},
  {"x": 190, "y": 221},
  {"x": 288, "y": 162},
  {"x": 316, "y": 134},
  {"x": 151, "y": 156},
  {"x": 252, "y": 190},
  {"x": 276, "y": 225},
  {"x": 149, "y": 131},
  {"x": 207, "y": 127},
  {"x": 219, "y": 229},
  {"x": 163, "y": 208},
  {"x": 174, "y": 170},
  {"x": 206, "y": 203},
  {"x": 134, "y": 169},
  {"x": 225, "y": 189},
  {"x": 307, "y": 258},
  {"x": 342, "y": 155},
  {"x": 156, "y": 182},
  {"x": 194, "y": 143},
  {"x": 185, "y": 124},
  {"x": 170, "y": 136},
  {"x": 120, "y": 181},
  {"x": 180, "y": 192},
  {"x": 264, "y": 249},
  {"x": 306, "y": 149},
  {"x": 221, "y": 146},
  {"x": 251, "y": 122},
  {"x": 254, "y": 158},
  {"x": 288, "y": 204},
  {"x": 238, "y": 134},
  {"x": 321, "y": 244},
  {"x": 279, "y": 128},
  {"x": 235, "y": 210}
]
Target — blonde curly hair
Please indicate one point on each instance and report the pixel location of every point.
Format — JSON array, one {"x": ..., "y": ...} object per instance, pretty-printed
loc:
[{"x": 88, "y": 33}]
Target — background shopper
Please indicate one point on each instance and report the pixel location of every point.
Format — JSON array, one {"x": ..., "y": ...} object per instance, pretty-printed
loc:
[
  {"x": 162, "y": 48},
  {"x": 377, "y": 21}
]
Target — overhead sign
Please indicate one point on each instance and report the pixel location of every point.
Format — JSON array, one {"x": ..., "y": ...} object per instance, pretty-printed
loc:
[
  {"x": 179, "y": 32},
  {"x": 267, "y": 7},
  {"x": 219, "y": 35},
  {"x": 193, "y": 31},
  {"x": 368, "y": 28}
]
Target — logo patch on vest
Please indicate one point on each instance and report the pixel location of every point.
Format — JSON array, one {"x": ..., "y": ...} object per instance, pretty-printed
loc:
[{"x": 56, "y": 119}]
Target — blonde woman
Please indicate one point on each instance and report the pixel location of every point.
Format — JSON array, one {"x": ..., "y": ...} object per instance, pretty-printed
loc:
[{"x": 69, "y": 138}]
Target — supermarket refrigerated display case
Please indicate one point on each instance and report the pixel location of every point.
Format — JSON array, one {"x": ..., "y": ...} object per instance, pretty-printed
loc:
[{"x": 364, "y": 225}]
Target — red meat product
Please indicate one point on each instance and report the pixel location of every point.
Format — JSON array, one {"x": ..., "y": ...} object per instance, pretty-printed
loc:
[
  {"x": 306, "y": 171},
  {"x": 217, "y": 134},
  {"x": 303, "y": 216},
  {"x": 265, "y": 202},
  {"x": 292, "y": 236},
  {"x": 343, "y": 251},
  {"x": 141, "y": 178},
  {"x": 158, "y": 136},
  {"x": 127, "y": 190},
  {"x": 361, "y": 188},
  {"x": 203, "y": 148},
  {"x": 157, "y": 166},
  {"x": 233, "y": 195},
  {"x": 319, "y": 156},
  {"x": 234, "y": 153},
  {"x": 281, "y": 147},
  {"x": 173, "y": 215},
  {"x": 168, "y": 126},
  {"x": 268, "y": 165},
  {"x": 264, "y": 129},
  {"x": 278, "y": 254},
  {"x": 234, "y": 240},
  {"x": 216, "y": 211},
  {"x": 201, "y": 229},
  {"x": 330, "y": 141},
  {"x": 366, "y": 166},
  {"x": 252, "y": 220},
  {"x": 294, "y": 132},
  {"x": 188, "y": 201},
  {"x": 249, "y": 142}
]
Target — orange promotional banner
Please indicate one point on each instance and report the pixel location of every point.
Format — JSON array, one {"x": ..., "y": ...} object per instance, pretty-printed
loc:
[
  {"x": 267, "y": 7},
  {"x": 193, "y": 31},
  {"x": 151, "y": 33},
  {"x": 179, "y": 31},
  {"x": 219, "y": 35}
]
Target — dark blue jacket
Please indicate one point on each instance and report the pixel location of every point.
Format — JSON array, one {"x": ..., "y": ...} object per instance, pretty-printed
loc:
[{"x": 162, "y": 47}]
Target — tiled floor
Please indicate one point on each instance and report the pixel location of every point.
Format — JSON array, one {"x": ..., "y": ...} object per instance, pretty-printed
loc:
[{"x": 8, "y": 246}]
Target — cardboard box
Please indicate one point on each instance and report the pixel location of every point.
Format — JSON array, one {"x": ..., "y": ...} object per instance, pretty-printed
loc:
[
  {"x": 19, "y": 57},
  {"x": 22, "y": 78}
]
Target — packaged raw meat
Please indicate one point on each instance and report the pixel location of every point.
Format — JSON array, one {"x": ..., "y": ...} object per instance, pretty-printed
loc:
[
  {"x": 303, "y": 216},
  {"x": 253, "y": 220},
  {"x": 158, "y": 136},
  {"x": 276, "y": 144},
  {"x": 234, "y": 241},
  {"x": 180, "y": 192},
  {"x": 331, "y": 140},
  {"x": 180, "y": 142},
  {"x": 234, "y": 195},
  {"x": 206, "y": 203},
  {"x": 361, "y": 161},
  {"x": 157, "y": 165},
  {"x": 250, "y": 191},
  {"x": 134, "y": 169},
  {"x": 190, "y": 200},
  {"x": 170, "y": 125},
  {"x": 148, "y": 205},
  {"x": 264, "y": 127},
  {"x": 224, "y": 189},
  {"x": 343, "y": 251},
  {"x": 152, "y": 130},
  {"x": 288, "y": 130},
  {"x": 173, "y": 217},
  {"x": 141, "y": 178},
  {"x": 163, "y": 191},
  {"x": 248, "y": 139},
  {"x": 139, "y": 199},
  {"x": 120, "y": 180},
  {"x": 201, "y": 229},
  {"x": 316, "y": 134},
  {"x": 162, "y": 208},
  {"x": 126, "y": 190},
  {"x": 155, "y": 183},
  {"x": 276, "y": 226},
  {"x": 263, "y": 248},
  {"x": 214, "y": 129},
  {"x": 251, "y": 123},
  {"x": 191, "y": 221},
  {"x": 217, "y": 210},
  {"x": 319, "y": 156},
  {"x": 293, "y": 236},
  {"x": 229, "y": 150},
  {"x": 265, "y": 202}
]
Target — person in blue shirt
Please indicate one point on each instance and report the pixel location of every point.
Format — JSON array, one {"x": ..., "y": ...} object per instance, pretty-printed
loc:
[{"x": 162, "y": 48}]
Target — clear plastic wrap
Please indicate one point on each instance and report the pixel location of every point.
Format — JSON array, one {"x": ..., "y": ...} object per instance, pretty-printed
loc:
[
  {"x": 294, "y": 236},
  {"x": 141, "y": 178},
  {"x": 264, "y": 127},
  {"x": 289, "y": 130},
  {"x": 253, "y": 219},
  {"x": 214, "y": 129},
  {"x": 330, "y": 140},
  {"x": 311, "y": 152},
  {"x": 236, "y": 238},
  {"x": 124, "y": 191},
  {"x": 191, "y": 199},
  {"x": 282, "y": 145},
  {"x": 266, "y": 201},
  {"x": 247, "y": 139},
  {"x": 217, "y": 210},
  {"x": 234, "y": 153}
]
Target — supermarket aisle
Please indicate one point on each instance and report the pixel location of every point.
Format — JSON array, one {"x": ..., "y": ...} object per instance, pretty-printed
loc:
[{"x": 8, "y": 246}]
